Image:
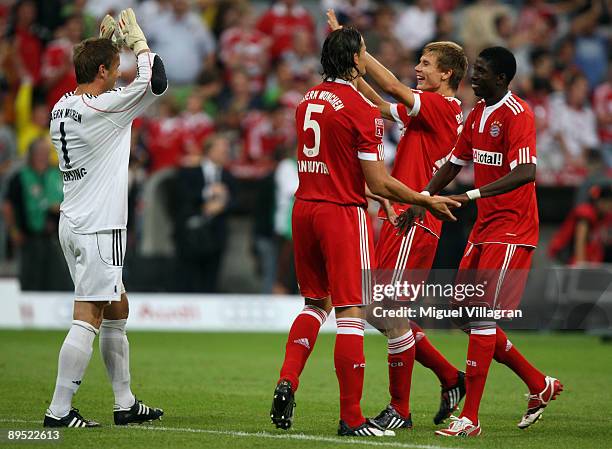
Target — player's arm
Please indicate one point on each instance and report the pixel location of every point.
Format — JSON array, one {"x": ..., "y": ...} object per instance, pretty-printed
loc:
[
  {"x": 521, "y": 175},
  {"x": 381, "y": 183},
  {"x": 383, "y": 106},
  {"x": 521, "y": 155},
  {"x": 125, "y": 104},
  {"x": 385, "y": 204},
  {"x": 383, "y": 77}
]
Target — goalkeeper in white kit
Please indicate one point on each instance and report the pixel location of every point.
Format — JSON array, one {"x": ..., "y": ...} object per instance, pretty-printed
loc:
[{"x": 91, "y": 130}]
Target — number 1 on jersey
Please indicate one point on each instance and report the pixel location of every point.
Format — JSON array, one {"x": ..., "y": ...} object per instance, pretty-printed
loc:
[
  {"x": 64, "y": 146},
  {"x": 310, "y": 123}
]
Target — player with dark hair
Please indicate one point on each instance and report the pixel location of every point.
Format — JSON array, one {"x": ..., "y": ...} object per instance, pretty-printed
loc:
[
  {"x": 340, "y": 149},
  {"x": 430, "y": 118},
  {"x": 90, "y": 129},
  {"x": 499, "y": 137}
]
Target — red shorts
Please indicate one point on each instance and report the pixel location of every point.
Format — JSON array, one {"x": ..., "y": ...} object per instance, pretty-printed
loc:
[
  {"x": 333, "y": 252},
  {"x": 407, "y": 257},
  {"x": 502, "y": 269}
]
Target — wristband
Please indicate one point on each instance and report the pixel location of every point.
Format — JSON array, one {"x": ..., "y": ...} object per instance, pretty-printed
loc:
[
  {"x": 426, "y": 193},
  {"x": 473, "y": 194}
]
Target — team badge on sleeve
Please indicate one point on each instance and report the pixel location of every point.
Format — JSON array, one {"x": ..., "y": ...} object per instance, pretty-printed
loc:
[
  {"x": 380, "y": 127},
  {"x": 495, "y": 129}
]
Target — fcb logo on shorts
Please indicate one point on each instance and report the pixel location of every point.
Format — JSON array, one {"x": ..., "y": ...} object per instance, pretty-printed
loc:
[
  {"x": 380, "y": 127},
  {"x": 495, "y": 129}
]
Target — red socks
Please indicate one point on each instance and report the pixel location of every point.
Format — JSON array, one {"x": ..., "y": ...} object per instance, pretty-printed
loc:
[
  {"x": 350, "y": 366},
  {"x": 401, "y": 362},
  {"x": 300, "y": 342},
  {"x": 507, "y": 354},
  {"x": 479, "y": 356},
  {"x": 428, "y": 356}
]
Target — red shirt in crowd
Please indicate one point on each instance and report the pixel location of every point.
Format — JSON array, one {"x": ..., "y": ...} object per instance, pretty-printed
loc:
[{"x": 280, "y": 23}]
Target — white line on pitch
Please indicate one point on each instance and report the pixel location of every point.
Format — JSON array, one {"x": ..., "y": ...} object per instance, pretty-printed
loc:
[{"x": 233, "y": 433}]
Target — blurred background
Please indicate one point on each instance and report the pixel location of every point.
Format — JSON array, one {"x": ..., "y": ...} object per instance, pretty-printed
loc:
[{"x": 212, "y": 169}]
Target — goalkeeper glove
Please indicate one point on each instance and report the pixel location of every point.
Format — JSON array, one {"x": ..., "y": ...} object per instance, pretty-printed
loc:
[
  {"x": 109, "y": 30},
  {"x": 132, "y": 34}
]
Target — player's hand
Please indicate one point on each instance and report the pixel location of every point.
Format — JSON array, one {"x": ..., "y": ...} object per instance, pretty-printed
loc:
[
  {"x": 131, "y": 32},
  {"x": 463, "y": 198},
  {"x": 108, "y": 27},
  {"x": 414, "y": 214},
  {"x": 389, "y": 211},
  {"x": 440, "y": 207},
  {"x": 332, "y": 20}
]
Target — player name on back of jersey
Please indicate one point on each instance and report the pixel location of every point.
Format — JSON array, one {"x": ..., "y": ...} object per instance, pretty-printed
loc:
[
  {"x": 324, "y": 95},
  {"x": 66, "y": 113}
]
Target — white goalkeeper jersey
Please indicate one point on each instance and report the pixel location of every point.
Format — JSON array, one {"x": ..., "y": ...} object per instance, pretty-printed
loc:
[{"x": 92, "y": 137}]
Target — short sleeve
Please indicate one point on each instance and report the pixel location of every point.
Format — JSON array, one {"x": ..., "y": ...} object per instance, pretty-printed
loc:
[
  {"x": 462, "y": 154},
  {"x": 370, "y": 130},
  {"x": 521, "y": 139}
]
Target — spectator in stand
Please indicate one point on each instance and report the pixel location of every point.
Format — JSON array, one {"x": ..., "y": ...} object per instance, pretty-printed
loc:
[
  {"x": 597, "y": 175},
  {"x": 57, "y": 69},
  {"x": 236, "y": 102},
  {"x": 356, "y": 13},
  {"x": 381, "y": 29},
  {"x": 183, "y": 41},
  {"x": 573, "y": 124},
  {"x": 197, "y": 126},
  {"x": 282, "y": 21},
  {"x": 478, "y": 25},
  {"x": 31, "y": 214},
  {"x": 163, "y": 136},
  {"x": 78, "y": 8},
  {"x": 301, "y": 59},
  {"x": 244, "y": 46},
  {"x": 591, "y": 45},
  {"x": 99, "y": 8},
  {"x": 27, "y": 38},
  {"x": 31, "y": 118},
  {"x": 204, "y": 196},
  {"x": 416, "y": 25},
  {"x": 602, "y": 103},
  {"x": 445, "y": 27},
  {"x": 286, "y": 183},
  {"x": 586, "y": 234}
]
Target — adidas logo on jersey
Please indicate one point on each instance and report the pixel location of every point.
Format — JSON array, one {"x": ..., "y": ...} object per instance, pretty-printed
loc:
[
  {"x": 487, "y": 157},
  {"x": 303, "y": 341}
]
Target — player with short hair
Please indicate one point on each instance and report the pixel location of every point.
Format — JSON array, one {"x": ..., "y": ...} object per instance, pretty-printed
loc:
[
  {"x": 431, "y": 119},
  {"x": 499, "y": 138},
  {"x": 340, "y": 149},
  {"x": 91, "y": 130}
]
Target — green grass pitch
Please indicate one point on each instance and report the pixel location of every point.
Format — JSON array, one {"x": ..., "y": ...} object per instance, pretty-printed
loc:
[{"x": 216, "y": 392}]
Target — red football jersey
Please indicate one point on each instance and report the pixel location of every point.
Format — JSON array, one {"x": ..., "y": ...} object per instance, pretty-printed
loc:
[
  {"x": 497, "y": 138},
  {"x": 429, "y": 132},
  {"x": 336, "y": 126}
]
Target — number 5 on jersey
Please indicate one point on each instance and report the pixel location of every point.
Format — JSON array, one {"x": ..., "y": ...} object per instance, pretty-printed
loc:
[{"x": 311, "y": 123}]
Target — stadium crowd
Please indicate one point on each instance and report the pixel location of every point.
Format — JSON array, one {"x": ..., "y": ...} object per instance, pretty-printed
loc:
[{"x": 222, "y": 143}]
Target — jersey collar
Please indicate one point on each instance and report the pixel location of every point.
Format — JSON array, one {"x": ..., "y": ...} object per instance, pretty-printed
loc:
[{"x": 493, "y": 107}]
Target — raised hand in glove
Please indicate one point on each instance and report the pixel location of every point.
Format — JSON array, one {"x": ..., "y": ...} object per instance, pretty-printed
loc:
[{"x": 131, "y": 32}]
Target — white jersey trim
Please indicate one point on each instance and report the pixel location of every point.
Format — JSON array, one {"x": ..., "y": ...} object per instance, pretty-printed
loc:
[
  {"x": 455, "y": 160},
  {"x": 502, "y": 243},
  {"x": 367, "y": 156},
  {"x": 416, "y": 107}
]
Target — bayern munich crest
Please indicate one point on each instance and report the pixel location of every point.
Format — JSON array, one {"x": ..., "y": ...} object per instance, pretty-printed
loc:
[{"x": 495, "y": 129}]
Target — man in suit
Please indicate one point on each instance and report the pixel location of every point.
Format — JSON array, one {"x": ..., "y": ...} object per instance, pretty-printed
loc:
[{"x": 204, "y": 195}]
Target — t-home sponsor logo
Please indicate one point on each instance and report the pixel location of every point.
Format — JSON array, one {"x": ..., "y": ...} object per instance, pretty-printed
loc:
[{"x": 487, "y": 157}]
